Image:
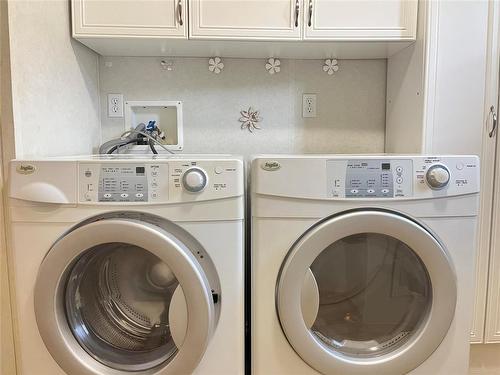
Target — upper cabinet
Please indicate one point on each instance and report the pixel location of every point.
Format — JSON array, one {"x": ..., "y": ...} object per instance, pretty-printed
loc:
[
  {"x": 245, "y": 19},
  {"x": 312, "y": 29},
  {"x": 360, "y": 19},
  {"x": 130, "y": 18}
]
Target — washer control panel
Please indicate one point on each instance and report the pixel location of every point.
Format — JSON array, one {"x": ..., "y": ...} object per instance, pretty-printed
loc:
[
  {"x": 155, "y": 182},
  {"x": 370, "y": 178},
  {"x": 123, "y": 182}
]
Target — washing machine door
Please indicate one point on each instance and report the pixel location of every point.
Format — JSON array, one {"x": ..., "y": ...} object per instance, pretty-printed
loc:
[
  {"x": 366, "y": 292},
  {"x": 120, "y": 295}
]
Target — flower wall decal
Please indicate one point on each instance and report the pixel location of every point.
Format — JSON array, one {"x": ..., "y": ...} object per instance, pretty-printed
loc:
[
  {"x": 215, "y": 65},
  {"x": 250, "y": 119},
  {"x": 273, "y": 65},
  {"x": 331, "y": 66}
]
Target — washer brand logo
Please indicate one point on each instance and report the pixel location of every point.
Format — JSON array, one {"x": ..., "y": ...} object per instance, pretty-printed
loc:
[
  {"x": 26, "y": 168},
  {"x": 271, "y": 165}
]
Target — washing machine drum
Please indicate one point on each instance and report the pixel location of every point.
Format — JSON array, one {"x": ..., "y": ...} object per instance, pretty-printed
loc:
[
  {"x": 366, "y": 292},
  {"x": 123, "y": 288}
]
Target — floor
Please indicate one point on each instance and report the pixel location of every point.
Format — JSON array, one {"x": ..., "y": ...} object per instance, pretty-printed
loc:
[{"x": 485, "y": 359}]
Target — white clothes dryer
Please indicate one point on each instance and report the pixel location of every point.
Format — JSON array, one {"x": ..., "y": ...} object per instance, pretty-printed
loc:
[
  {"x": 362, "y": 264},
  {"x": 128, "y": 264}
]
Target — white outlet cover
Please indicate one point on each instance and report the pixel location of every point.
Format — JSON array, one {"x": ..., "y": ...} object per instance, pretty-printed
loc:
[
  {"x": 115, "y": 105},
  {"x": 308, "y": 105}
]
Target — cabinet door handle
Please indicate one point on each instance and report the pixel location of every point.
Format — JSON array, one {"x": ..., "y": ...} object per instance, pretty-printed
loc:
[
  {"x": 309, "y": 23},
  {"x": 494, "y": 118},
  {"x": 297, "y": 8},
  {"x": 179, "y": 12}
]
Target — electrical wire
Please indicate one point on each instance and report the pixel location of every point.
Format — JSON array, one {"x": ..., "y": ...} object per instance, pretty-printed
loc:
[
  {"x": 133, "y": 131},
  {"x": 115, "y": 148},
  {"x": 152, "y": 147}
]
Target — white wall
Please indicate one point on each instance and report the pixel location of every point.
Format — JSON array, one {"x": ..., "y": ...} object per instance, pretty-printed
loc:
[
  {"x": 351, "y": 103},
  {"x": 54, "y": 82}
]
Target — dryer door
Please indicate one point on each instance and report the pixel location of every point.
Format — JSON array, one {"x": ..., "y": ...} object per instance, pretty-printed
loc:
[
  {"x": 122, "y": 295},
  {"x": 366, "y": 292}
]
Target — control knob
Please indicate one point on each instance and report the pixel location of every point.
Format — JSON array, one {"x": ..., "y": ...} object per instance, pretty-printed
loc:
[
  {"x": 194, "y": 180},
  {"x": 437, "y": 176}
]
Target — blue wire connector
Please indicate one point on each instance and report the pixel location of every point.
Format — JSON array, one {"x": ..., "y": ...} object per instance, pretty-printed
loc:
[{"x": 151, "y": 126}]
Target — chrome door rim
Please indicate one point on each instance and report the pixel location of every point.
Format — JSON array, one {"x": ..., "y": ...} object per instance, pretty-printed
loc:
[
  {"x": 49, "y": 293},
  {"x": 315, "y": 240}
]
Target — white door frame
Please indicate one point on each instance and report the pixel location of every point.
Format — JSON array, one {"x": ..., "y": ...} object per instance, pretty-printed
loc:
[{"x": 7, "y": 353}]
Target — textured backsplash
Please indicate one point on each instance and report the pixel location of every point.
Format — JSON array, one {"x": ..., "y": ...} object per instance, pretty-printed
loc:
[{"x": 350, "y": 103}]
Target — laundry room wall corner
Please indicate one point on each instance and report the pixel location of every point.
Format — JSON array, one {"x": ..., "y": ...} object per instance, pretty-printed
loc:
[{"x": 54, "y": 82}]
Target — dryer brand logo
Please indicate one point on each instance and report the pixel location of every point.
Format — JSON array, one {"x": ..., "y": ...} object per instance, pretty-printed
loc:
[
  {"x": 26, "y": 168},
  {"x": 271, "y": 165}
]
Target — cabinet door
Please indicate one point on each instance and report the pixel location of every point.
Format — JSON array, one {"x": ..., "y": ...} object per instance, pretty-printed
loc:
[
  {"x": 492, "y": 327},
  {"x": 485, "y": 280},
  {"x": 488, "y": 330},
  {"x": 245, "y": 19},
  {"x": 126, "y": 18},
  {"x": 360, "y": 19}
]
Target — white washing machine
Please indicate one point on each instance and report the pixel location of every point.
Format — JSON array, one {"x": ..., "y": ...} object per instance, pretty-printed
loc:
[
  {"x": 363, "y": 264},
  {"x": 128, "y": 265}
]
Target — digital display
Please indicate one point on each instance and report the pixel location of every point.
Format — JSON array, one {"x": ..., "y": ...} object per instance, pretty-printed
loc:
[
  {"x": 140, "y": 171},
  {"x": 386, "y": 166}
]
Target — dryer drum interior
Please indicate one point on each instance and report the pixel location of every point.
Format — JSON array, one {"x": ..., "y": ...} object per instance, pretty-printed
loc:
[{"x": 374, "y": 292}]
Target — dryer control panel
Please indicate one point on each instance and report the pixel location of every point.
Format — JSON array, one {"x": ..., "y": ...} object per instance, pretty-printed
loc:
[
  {"x": 370, "y": 178},
  {"x": 401, "y": 177},
  {"x": 365, "y": 177}
]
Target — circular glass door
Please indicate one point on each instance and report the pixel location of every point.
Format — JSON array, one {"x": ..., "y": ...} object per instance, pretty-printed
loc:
[
  {"x": 374, "y": 293},
  {"x": 380, "y": 292},
  {"x": 117, "y": 302},
  {"x": 124, "y": 295}
]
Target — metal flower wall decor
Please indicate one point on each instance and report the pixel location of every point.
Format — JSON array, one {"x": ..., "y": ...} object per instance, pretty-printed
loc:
[
  {"x": 331, "y": 66},
  {"x": 273, "y": 65},
  {"x": 250, "y": 119},
  {"x": 215, "y": 65}
]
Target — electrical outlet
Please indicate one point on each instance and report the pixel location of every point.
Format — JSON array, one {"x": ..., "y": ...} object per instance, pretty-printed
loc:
[
  {"x": 115, "y": 105},
  {"x": 308, "y": 105}
]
